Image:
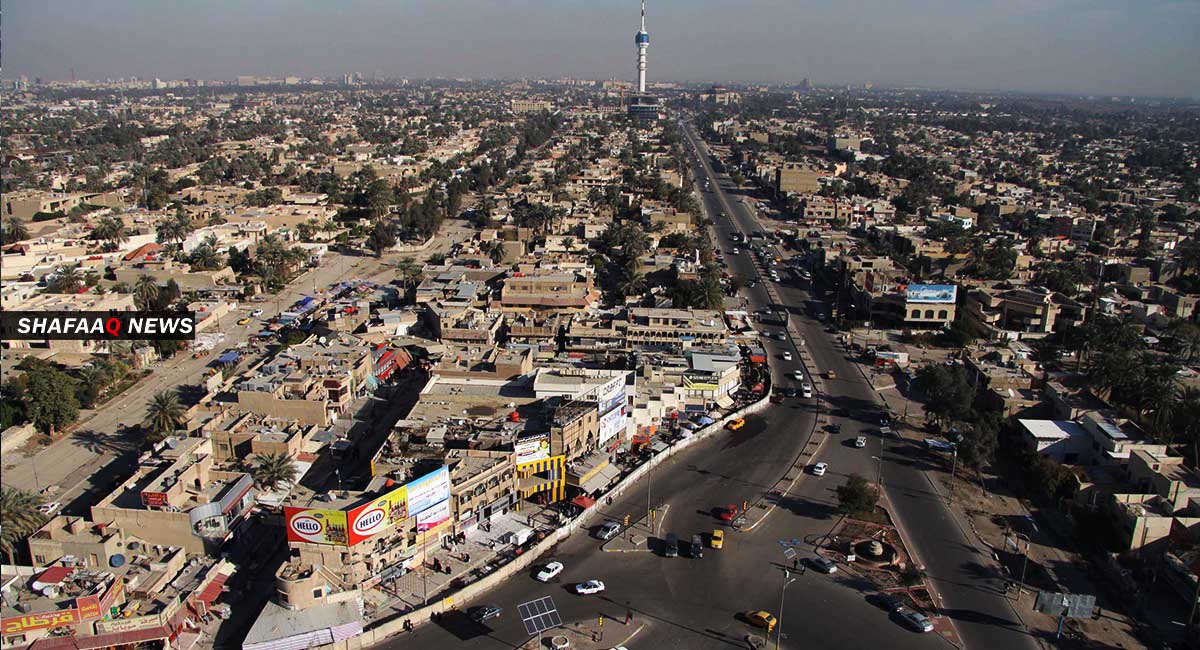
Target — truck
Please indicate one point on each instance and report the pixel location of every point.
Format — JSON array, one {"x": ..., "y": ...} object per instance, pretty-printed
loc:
[{"x": 520, "y": 536}]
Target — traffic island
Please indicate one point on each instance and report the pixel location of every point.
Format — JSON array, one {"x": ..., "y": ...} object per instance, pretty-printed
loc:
[
  {"x": 636, "y": 537},
  {"x": 600, "y": 633}
]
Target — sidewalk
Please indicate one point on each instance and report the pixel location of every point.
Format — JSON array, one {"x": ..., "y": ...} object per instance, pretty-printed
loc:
[
  {"x": 636, "y": 538},
  {"x": 481, "y": 554},
  {"x": 977, "y": 512}
]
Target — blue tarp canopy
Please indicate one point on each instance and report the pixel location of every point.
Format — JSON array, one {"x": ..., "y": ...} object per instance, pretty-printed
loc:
[
  {"x": 228, "y": 357},
  {"x": 704, "y": 420}
]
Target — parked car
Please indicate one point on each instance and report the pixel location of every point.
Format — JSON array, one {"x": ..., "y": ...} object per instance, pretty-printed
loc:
[
  {"x": 761, "y": 619},
  {"x": 550, "y": 571},
  {"x": 256, "y": 313},
  {"x": 916, "y": 620},
  {"x": 860, "y": 442},
  {"x": 821, "y": 564},
  {"x": 608, "y": 530},
  {"x": 696, "y": 548},
  {"x": 485, "y": 612},
  {"x": 717, "y": 539},
  {"x": 589, "y": 587},
  {"x": 671, "y": 546},
  {"x": 727, "y": 513},
  {"x": 243, "y": 321},
  {"x": 889, "y": 602},
  {"x": 819, "y": 469},
  {"x": 49, "y": 509}
]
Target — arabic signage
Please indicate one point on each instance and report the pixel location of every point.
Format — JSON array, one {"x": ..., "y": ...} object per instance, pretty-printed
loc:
[
  {"x": 532, "y": 449},
  {"x": 129, "y": 624},
  {"x": 429, "y": 490},
  {"x": 316, "y": 525},
  {"x": 28, "y": 622},
  {"x": 154, "y": 499},
  {"x": 931, "y": 293},
  {"x": 433, "y": 516},
  {"x": 612, "y": 423}
]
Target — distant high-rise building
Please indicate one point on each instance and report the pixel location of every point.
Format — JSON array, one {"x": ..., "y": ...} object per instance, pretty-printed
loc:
[
  {"x": 642, "y": 39},
  {"x": 247, "y": 80},
  {"x": 643, "y": 107}
]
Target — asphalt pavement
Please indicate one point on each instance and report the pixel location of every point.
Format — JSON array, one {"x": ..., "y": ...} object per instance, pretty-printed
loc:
[{"x": 970, "y": 590}]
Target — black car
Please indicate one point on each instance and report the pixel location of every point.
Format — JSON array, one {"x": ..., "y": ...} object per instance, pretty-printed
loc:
[
  {"x": 889, "y": 602},
  {"x": 790, "y": 392},
  {"x": 670, "y": 546},
  {"x": 485, "y": 613}
]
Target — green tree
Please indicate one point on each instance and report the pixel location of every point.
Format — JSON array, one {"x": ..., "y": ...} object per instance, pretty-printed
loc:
[
  {"x": 856, "y": 496},
  {"x": 948, "y": 393},
  {"x": 19, "y": 518},
  {"x": 111, "y": 230},
  {"x": 145, "y": 291},
  {"x": 271, "y": 470},
  {"x": 67, "y": 279},
  {"x": 15, "y": 231},
  {"x": 382, "y": 237},
  {"x": 409, "y": 272},
  {"x": 50, "y": 399},
  {"x": 164, "y": 414}
]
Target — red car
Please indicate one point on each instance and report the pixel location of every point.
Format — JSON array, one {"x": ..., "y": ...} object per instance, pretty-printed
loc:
[{"x": 727, "y": 513}]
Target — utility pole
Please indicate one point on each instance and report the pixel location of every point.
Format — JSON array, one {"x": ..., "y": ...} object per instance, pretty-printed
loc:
[{"x": 787, "y": 580}]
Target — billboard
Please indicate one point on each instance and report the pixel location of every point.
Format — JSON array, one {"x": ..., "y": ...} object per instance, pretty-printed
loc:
[
  {"x": 612, "y": 423},
  {"x": 378, "y": 515},
  {"x": 364, "y": 521},
  {"x": 429, "y": 490},
  {"x": 316, "y": 525},
  {"x": 532, "y": 448},
  {"x": 432, "y": 516},
  {"x": 931, "y": 293},
  {"x": 17, "y": 624}
]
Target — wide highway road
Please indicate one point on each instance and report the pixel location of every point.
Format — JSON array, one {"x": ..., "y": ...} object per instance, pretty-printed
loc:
[{"x": 690, "y": 603}]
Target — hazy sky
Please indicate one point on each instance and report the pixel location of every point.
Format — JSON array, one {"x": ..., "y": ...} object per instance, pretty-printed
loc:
[{"x": 1144, "y": 47}]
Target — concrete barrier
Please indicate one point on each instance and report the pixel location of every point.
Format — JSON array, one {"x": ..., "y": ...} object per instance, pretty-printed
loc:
[{"x": 394, "y": 625}]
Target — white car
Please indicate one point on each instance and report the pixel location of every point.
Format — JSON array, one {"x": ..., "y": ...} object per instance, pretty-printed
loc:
[
  {"x": 806, "y": 391},
  {"x": 798, "y": 375},
  {"x": 49, "y": 509},
  {"x": 819, "y": 469},
  {"x": 550, "y": 571},
  {"x": 589, "y": 587},
  {"x": 860, "y": 442},
  {"x": 256, "y": 313},
  {"x": 786, "y": 355}
]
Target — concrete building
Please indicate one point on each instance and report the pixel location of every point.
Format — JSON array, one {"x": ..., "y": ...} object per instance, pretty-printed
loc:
[
  {"x": 798, "y": 178},
  {"x": 178, "y": 498}
]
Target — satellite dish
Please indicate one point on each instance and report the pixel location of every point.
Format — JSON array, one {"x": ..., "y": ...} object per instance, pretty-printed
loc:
[{"x": 116, "y": 561}]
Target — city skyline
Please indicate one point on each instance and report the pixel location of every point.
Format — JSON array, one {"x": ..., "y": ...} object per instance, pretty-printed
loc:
[{"x": 1064, "y": 46}]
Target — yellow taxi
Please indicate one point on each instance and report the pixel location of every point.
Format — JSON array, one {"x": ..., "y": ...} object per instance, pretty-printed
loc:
[
  {"x": 761, "y": 619},
  {"x": 718, "y": 539},
  {"x": 243, "y": 321},
  {"x": 829, "y": 374},
  {"x": 735, "y": 424}
]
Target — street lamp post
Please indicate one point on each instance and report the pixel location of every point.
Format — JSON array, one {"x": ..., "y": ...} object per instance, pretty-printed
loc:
[
  {"x": 787, "y": 580},
  {"x": 1025, "y": 562}
]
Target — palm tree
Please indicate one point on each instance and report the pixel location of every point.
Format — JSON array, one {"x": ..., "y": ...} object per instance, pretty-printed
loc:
[
  {"x": 410, "y": 272},
  {"x": 632, "y": 281},
  {"x": 164, "y": 413},
  {"x": 67, "y": 279},
  {"x": 273, "y": 469},
  {"x": 568, "y": 243},
  {"x": 145, "y": 291},
  {"x": 111, "y": 230},
  {"x": 19, "y": 518},
  {"x": 15, "y": 231},
  {"x": 494, "y": 251}
]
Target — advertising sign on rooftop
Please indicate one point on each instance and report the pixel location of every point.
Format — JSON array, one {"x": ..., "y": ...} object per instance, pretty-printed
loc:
[
  {"x": 932, "y": 293},
  {"x": 532, "y": 448}
]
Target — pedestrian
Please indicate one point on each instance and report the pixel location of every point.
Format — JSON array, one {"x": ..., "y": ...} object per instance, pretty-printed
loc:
[
  {"x": 795, "y": 563},
  {"x": 628, "y": 616}
]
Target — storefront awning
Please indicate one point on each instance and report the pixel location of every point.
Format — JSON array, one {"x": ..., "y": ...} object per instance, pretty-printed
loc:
[
  {"x": 601, "y": 479},
  {"x": 724, "y": 401},
  {"x": 583, "y": 501}
]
